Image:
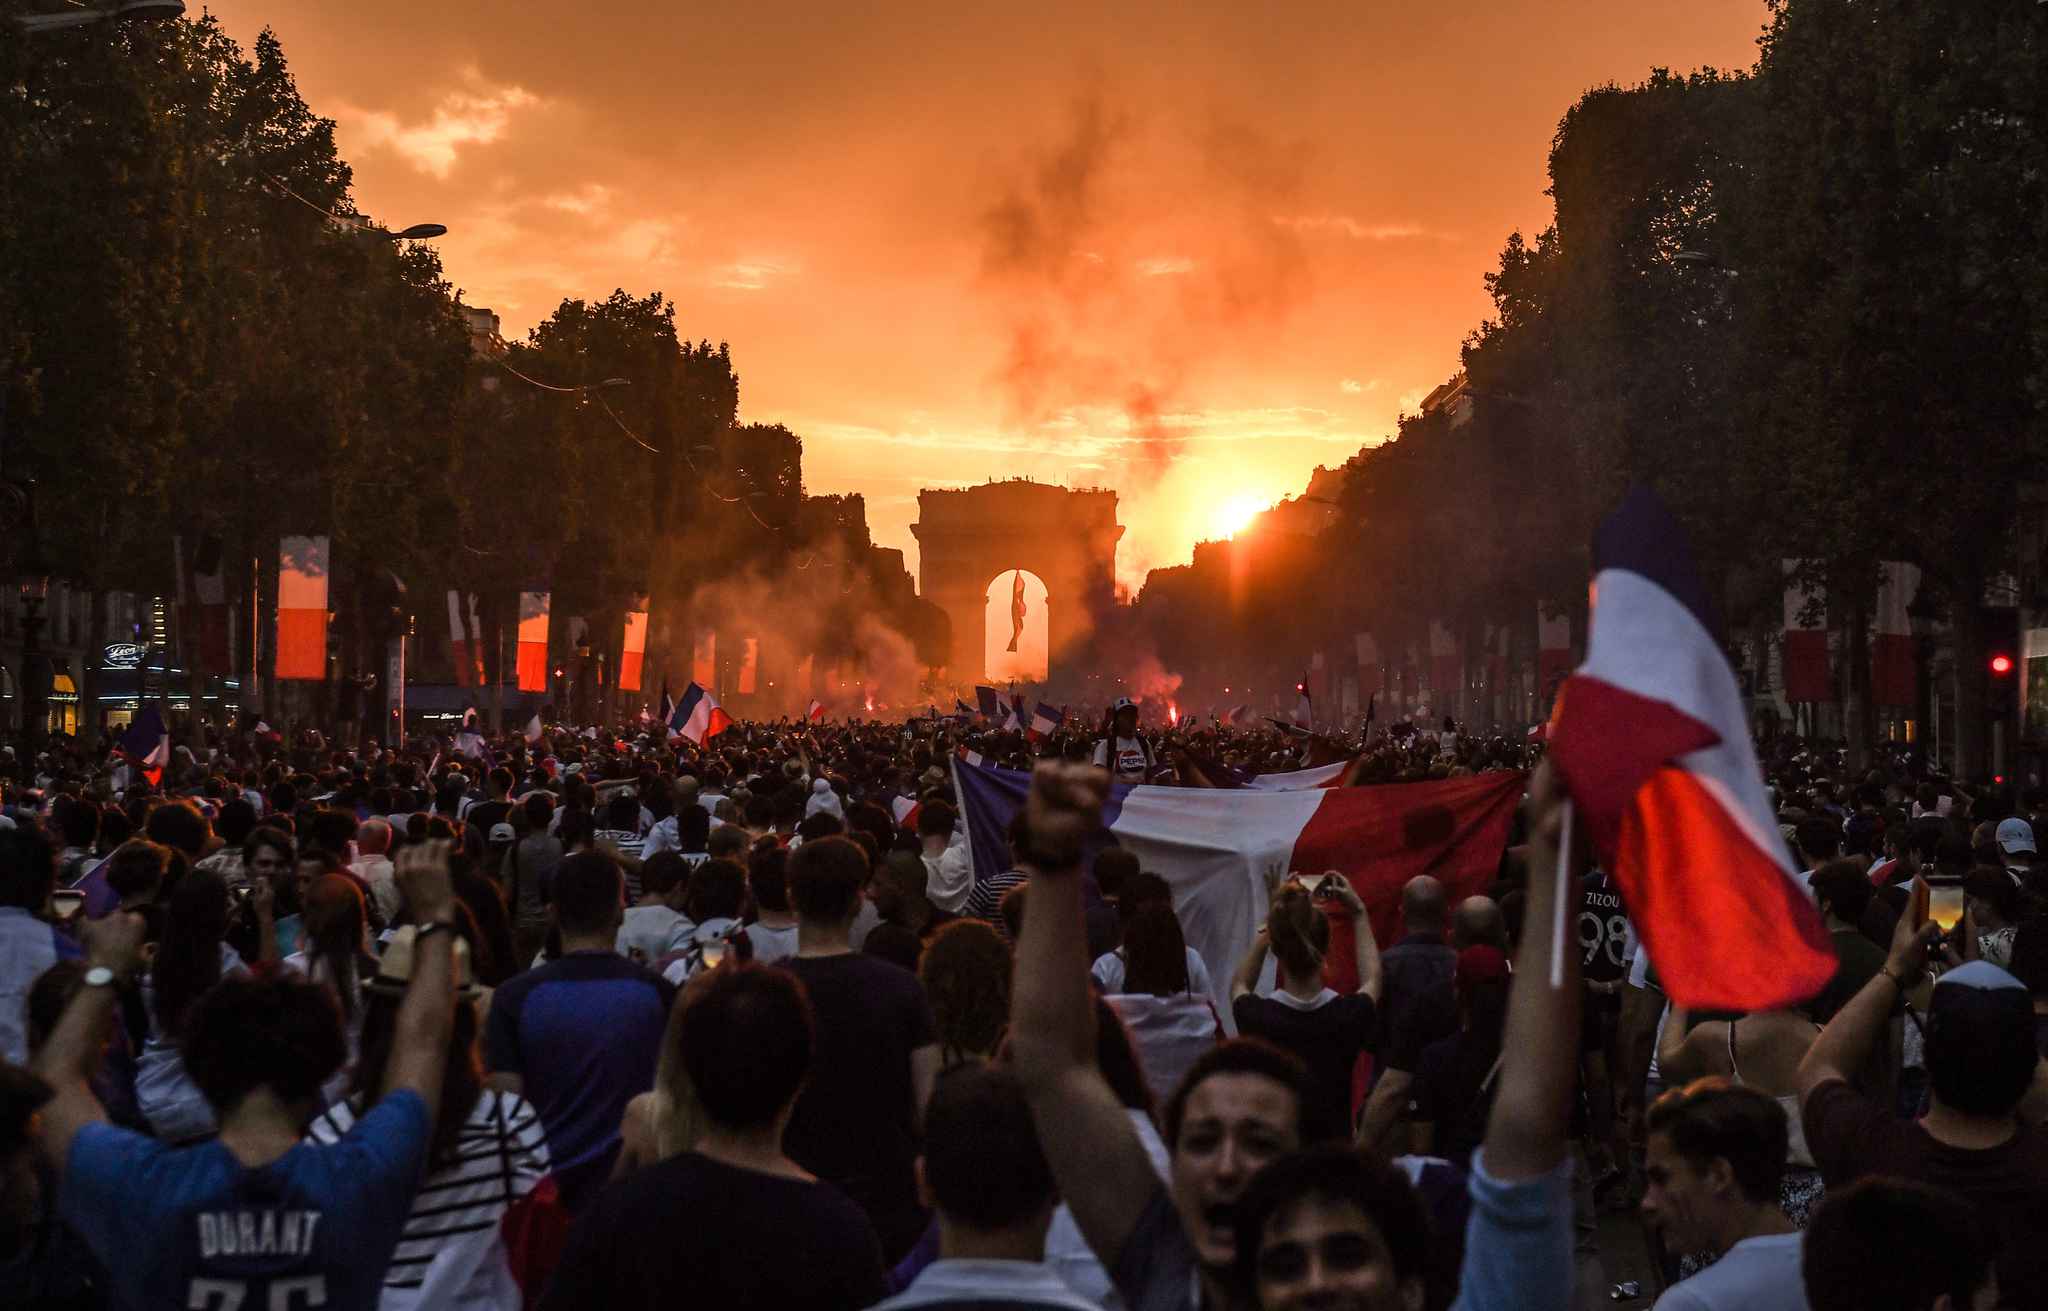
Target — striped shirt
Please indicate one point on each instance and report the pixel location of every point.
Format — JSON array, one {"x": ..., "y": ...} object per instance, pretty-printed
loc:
[
  {"x": 985, "y": 902},
  {"x": 452, "y": 1254}
]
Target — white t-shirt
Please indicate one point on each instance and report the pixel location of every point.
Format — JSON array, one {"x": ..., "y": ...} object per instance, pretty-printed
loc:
[
  {"x": 772, "y": 944},
  {"x": 1757, "y": 1274},
  {"x": 1108, "y": 970},
  {"x": 1132, "y": 759},
  {"x": 649, "y": 930}
]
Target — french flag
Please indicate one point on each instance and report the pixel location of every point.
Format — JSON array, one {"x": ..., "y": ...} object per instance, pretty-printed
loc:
[
  {"x": 1214, "y": 846},
  {"x": 990, "y": 702},
  {"x": 816, "y": 713},
  {"x": 1045, "y": 721},
  {"x": 961, "y": 710},
  {"x": 1653, "y": 743},
  {"x": 147, "y": 744},
  {"x": 698, "y": 716}
]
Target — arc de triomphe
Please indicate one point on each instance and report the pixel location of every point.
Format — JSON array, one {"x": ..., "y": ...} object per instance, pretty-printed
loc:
[{"x": 966, "y": 537}]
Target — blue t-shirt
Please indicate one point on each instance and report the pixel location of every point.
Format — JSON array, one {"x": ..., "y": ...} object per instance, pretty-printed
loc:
[
  {"x": 583, "y": 1034},
  {"x": 194, "y": 1227}
]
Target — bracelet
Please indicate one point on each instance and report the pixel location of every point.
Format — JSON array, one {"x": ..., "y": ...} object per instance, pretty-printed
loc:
[{"x": 1897, "y": 982}]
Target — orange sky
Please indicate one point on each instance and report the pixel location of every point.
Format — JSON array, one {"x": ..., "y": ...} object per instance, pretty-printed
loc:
[{"x": 1186, "y": 251}]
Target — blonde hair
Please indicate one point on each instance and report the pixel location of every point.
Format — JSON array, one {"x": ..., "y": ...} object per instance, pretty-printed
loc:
[{"x": 1297, "y": 932}]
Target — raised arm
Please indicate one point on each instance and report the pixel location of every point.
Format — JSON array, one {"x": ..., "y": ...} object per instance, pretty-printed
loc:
[
  {"x": 1368, "y": 948},
  {"x": 1096, "y": 1157},
  {"x": 1526, "y": 1134},
  {"x": 419, "y": 1045},
  {"x": 66, "y": 1061},
  {"x": 1247, "y": 976},
  {"x": 1844, "y": 1045}
]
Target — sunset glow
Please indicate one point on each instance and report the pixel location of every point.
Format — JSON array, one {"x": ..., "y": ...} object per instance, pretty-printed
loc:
[
  {"x": 1238, "y": 258},
  {"x": 1235, "y": 515}
]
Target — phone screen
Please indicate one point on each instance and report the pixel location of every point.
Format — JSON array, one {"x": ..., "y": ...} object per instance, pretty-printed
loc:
[{"x": 1945, "y": 905}]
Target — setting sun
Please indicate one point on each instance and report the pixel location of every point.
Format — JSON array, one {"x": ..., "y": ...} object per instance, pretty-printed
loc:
[{"x": 1235, "y": 515}]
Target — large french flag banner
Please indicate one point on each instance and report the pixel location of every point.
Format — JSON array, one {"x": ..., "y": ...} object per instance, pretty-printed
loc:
[
  {"x": 1214, "y": 846},
  {"x": 633, "y": 646},
  {"x": 533, "y": 642},
  {"x": 1805, "y": 659},
  {"x": 1894, "y": 675},
  {"x": 1298, "y": 780},
  {"x": 1651, "y": 737},
  {"x": 302, "y": 568},
  {"x": 698, "y": 716}
]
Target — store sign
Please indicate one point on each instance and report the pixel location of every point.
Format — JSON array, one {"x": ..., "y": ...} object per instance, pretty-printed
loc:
[{"x": 122, "y": 655}]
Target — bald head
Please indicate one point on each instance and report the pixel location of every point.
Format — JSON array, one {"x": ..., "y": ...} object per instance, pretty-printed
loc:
[
  {"x": 1422, "y": 905},
  {"x": 1479, "y": 924},
  {"x": 373, "y": 837}
]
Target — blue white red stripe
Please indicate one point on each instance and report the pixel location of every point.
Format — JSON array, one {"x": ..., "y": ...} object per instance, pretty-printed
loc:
[
  {"x": 698, "y": 716},
  {"x": 1652, "y": 739}
]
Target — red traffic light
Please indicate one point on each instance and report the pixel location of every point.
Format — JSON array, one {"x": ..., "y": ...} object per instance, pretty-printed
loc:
[{"x": 2001, "y": 664}]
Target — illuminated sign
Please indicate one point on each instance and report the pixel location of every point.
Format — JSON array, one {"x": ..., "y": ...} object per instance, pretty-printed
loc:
[{"x": 122, "y": 655}]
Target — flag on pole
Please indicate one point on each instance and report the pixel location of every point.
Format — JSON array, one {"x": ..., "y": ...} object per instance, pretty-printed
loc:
[
  {"x": 668, "y": 708},
  {"x": 1045, "y": 721},
  {"x": 815, "y": 714},
  {"x": 1894, "y": 676},
  {"x": 302, "y": 568},
  {"x": 146, "y": 744},
  {"x": 698, "y": 716},
  {"x": 633, "y": 648},
  {"x": 1652, "y": 739},
  {"x": 533, "y": 729},
  {"x": 533, "y": 641},
  {"x": 465, "y": 640},
  {"x": 990, "y": 701},
  {"x": 1805, "y": 660},
  {"x": 1213, "y": 846}
]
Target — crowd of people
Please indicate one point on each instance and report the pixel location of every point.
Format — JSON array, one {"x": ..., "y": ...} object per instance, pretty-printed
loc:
[{"x": 609, "y": 1019}]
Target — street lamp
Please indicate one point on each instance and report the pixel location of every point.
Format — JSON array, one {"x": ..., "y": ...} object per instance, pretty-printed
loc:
[
  {"x": 121, "y": 11},
  {"x": 417, "y": 232}
]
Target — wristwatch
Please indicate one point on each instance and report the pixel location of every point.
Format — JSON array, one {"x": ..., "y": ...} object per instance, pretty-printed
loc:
[{"x": 99, "y": 976}]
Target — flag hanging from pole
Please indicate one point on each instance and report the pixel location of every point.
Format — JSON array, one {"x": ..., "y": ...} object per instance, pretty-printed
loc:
[
  {"x": 1805, "y": 661},
  {"x": 1652, "y": 739},
  {"x": 302, "y": 569},
  {"x": 633, "y": 647},
  {"x": 465, "y": 640},
  {"x": 698, "y": 716},
  {"x": 533, "y": 641}
]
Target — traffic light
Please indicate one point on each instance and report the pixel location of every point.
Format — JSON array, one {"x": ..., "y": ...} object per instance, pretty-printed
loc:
[{"x": 2001, "y": 664}]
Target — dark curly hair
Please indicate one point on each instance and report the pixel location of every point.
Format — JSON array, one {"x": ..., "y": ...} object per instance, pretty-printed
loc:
[
  {"x": 966, "y": 975},
  {"x": 267, "y": 1028}
]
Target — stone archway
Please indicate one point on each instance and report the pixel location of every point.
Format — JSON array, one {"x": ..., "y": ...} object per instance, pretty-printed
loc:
[{"x": 968, "y": 537}]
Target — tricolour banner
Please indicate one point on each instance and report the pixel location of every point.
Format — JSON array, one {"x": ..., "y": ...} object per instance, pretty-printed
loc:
[
  {"x": 1806, "y": 641},
  {"x": 1894, "y": 674},
  {"x": 633, "y": 648},
  {"x": 465, "y": 639},
  {"x": 302, "y": 569},
  {"x": 1215, "y": 846},
  {"x": 533, "y": 641}
]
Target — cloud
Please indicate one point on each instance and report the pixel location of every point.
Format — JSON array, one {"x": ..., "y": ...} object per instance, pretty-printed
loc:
[
  {"x": 1411, "y": 401},
  {"x": 1344, "y": 225},
  {"x": 1165, "y": 266},
  {"x": 476, "y": 115},
  {"x": 751, "y": 274},
  {"x": 587, "y": 199},
  {"x": 1351, "y": 387}
]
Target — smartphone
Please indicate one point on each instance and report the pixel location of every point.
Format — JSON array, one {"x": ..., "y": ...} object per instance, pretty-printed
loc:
[
  {"x": 1921, "y": 903},
  {"x": 65, "y": 903},
  {"x": 1945, "y": 905}
]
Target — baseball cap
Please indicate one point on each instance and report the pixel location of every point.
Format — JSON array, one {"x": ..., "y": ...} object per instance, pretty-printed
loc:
[
  {"x": 2015, "y": 835},
  {"x": 1124, "y": 703},
  {"x": 503, "y": 833}
]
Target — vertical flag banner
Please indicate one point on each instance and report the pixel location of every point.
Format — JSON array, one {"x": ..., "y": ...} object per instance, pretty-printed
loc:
[
  {"x": 1806, "y": 643},
  {"x": 704, "y": 660},
  {"x": 533, "y": 641},
  {"x": 1894, "y": 678},
  {"x": 1553, "y": 650},
  {"x": 465, "y": 640},
  {"x": 210, "y": 590},
  {"x": 633, "y": 647},
  {"x": 1652, "y": 738},
  {"x": 750, "y": 664},
  {"x": 302, "y": 569}
]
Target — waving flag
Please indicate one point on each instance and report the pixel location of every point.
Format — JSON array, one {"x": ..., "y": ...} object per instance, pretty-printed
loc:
[
  {"x": 989, "y": 700},
  {"x": 1214, "y": 846},
  {"x": 1045, "y": 721},
  {"x": 698, "y": 716},
  {"x": 147, "y": 744},
  {"x": 961, "y": 710},
  {"x": 1652, "y": 740},
  {"x": 533, "y": 729},
  {"x": 816, "y": 713}
]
